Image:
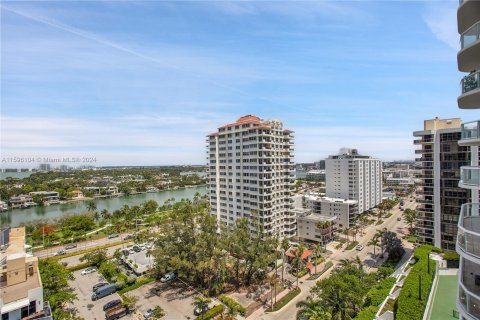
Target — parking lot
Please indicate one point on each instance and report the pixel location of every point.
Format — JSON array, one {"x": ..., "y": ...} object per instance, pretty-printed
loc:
[
  {"x": 86, "y": 308},
  {"x": 175, "y": 299}
]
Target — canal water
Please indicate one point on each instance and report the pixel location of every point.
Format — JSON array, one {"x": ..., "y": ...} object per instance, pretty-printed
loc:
[{"x": 17, "y": 216}]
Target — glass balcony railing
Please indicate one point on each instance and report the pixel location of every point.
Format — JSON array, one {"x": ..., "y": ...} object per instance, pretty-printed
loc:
[
  {"x": 470, "y": 176},
  {"x": 470, "y": 130},
  {"x": 468, "y": 238},
  {"x": 470, "y": 36},
  {"x": 469, "y": 301},
  {"x": 470, "y": 82}
]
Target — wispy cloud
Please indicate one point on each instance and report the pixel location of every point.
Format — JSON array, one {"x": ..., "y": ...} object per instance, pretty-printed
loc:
[{"x": 440, "y": 17}]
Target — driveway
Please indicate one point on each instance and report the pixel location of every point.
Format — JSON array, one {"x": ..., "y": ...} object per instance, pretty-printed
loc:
[{"x": 86, "y": 308}]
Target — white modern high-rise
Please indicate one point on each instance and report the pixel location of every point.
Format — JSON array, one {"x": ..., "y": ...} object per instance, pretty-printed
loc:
[
  {"x": 354, "y": 177},
  {"x": 251, "y": 171},
  {"x": 468, "y": 240}
]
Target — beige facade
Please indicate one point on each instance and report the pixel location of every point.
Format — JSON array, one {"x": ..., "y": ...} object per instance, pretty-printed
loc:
[{"x": 20, "y": 283}]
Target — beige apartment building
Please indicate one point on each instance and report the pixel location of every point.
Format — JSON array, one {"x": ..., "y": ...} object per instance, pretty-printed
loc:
[{"x": 21, "y": 292}]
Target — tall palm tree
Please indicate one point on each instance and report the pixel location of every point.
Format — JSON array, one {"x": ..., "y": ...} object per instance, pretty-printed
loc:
[
  {"x": 347, "y": 231},
  {"x": 358, "y": 262},
  {"x": 202, "y": 304},
  {"x": 272, "y": 279},
  {"x": 374, "y": 242},
  {"x": 297, "y": 254},
  {"x": 410, "y": 217},
  {"x": 285, "y": 246},
  {"x": 91, "y": 206},
  {"x": 379, "y": 235},
  {"x": 311, "y": 309},
  {"x": 345, "y": 263},
  {"x": 317, "y": 249}
]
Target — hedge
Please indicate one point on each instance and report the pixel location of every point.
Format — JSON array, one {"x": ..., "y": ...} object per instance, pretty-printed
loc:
[
  {"x": 79, "y": 266},
  {"x": 212, "y": 313},
  {"x": 233, "y": 304},
  {"x": 409, "y": 307},
  {"x": 377, "y": 294},
  {"x": 285, "y": 299},
  {"x": 140, "y": 282},
  {"x": 451, "y": 256},
  {"x": 352, "y": 245}
]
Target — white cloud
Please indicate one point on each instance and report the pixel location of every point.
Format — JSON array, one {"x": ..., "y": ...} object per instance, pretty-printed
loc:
[{"x": 441, "y": 18}]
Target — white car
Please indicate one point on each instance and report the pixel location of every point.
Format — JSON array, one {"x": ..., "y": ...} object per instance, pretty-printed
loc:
[
  {"x": 89, "y": 270},
  {"x": 359, "y": 247}
]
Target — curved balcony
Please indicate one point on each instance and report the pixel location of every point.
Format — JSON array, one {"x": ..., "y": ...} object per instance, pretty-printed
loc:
[
  {"x": 469, "y": 178},
  {"x": 467, "y": 14},
  {"x": 468, "y": 303},
  {"x": 470, "y": 86},
  {"x": 470, "y": 134},
  {"x": 468, "y": 237},
  {"x": 467, "y": 57}
]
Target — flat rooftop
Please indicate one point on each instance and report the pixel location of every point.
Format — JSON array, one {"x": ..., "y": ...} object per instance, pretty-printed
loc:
[{"x": 444, "y": 297}]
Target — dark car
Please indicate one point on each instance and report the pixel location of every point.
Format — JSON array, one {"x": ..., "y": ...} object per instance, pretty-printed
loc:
[
  {"x": 125, "y": 252},
  {"x": 137, "y": 249},
  {"x": 111, "y": 304},
  {"x": 70, "y": 246},
  {"x": 99, "y": 285}
]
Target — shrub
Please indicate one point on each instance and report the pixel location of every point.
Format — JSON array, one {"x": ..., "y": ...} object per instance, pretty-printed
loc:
[
  {"x": 451, "y": 256},
  {"x": 352, "y": 245},
  {"x": 140, "y": 282},
  {"x": 212, "y": 313},
  {"x": 377, "y": 294},
  {"x": 367, "y": 313},
  {"x": 327, "y": 266},
  {"x": 233, "y": 304},
  {"x": 408, "y": 305}
]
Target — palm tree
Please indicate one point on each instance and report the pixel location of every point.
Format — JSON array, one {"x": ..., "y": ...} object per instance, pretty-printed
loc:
[
  {"x": 285, "y": 246},
  {"x": 91, "y": 206},
  {"x": 297, "y": 256},
  {"x": 359, "y": 263},
  {"x": 272, "y": 279},
  {"x": 374, "y": 242},
  {"x": 104, "y": 214},
  {"x": 232, "y": 311},
  {"x": 347, "y": 231},
  {"x": 345, "y": 263},
  {"x": 379, "y": 234},
  {"x": 317, "y": 249},
  {"x": 381, "y": 208},
  {"x": 202, "y": 304},
  {"x": 311, "y": 309}
]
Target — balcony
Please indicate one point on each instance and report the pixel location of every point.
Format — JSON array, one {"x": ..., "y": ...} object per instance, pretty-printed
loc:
[
  {"x": 468, "y": 303},
  {"x": 468, "y": 238},
  {"x": 470, "y": 97},
  {"x": 467, "y": 57},
  {"x": 469, "y": 177},
  {"x": 467, "y": 14},
  {"x": 470, "y": 134}
]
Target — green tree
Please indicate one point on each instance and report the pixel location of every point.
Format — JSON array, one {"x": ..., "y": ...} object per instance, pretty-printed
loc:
[
  {"x": 91, "y": 206},
  {"x": 317, "y": 250},
  {"x": 297, "y": 258},
  {"x": 393, "y": 245},
  {"x": 311, "y": 309},
  {"x": 285, "y": 245},
  {"x": 201, "y": 303},
  {"x": 55, "y": 286},
  {"x": 374, "y": 242},
  {"x": 410, "y": 217},
  {"x": 95, "y": 257}
]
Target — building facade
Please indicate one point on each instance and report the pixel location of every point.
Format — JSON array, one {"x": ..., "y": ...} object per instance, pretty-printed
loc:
[
  {"x": 354, "y": 177},
  {"x": 438, "y": 195},
  {"x": 251, "y": 172},
  {"x": 468, "y": 240},
  {"x": 343, "y": 211},
  {"x": 312, "y": 227},
  {"x": 20, "y": 283}
]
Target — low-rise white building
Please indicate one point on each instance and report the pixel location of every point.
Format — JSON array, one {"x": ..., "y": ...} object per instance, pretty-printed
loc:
[
  {"x": 343, "y": 210},
  {"x": 48, "y": 196},
  {"x": 313, "y": 227}
]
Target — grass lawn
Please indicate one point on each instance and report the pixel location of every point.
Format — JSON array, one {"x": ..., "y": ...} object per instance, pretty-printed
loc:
[
  {"x": 444, "y": 299},
  {"x": 352, "y": 245}
]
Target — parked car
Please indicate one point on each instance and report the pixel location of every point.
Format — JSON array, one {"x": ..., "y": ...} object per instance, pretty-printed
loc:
[
  {"x": 168, "y": 277},
  {"x": 137, "y": 248},
  {"x": 111, "y": 304},
  {"x": 399, "y": 219},
  {"x": 125, "y": 252},
  {"x": 70, "y": 246},
  {"x": 359, "y": 247},
  {"x": 113, "y": 235},
  {"x": 149, "y": 245},
  {"x": 60, "y": 253},
  {"x": 116, "y": 313},
  {"x": 128, "y": 236},
  {"x": 198, "y": 311},
  {"x": 104, "y": 291},
  {"x": 99, "y": 285},
  {"x": 131, "y": 251},
  {"x": 401, "y": 209},
  {"x": 89, "y": 270},
  {"x": 148, "y": 314}
]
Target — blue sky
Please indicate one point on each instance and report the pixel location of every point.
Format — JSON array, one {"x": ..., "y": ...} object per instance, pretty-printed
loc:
[{"x": 143, "y": 83}]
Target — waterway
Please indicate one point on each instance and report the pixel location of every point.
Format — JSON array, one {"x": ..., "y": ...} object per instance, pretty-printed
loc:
[{"x": 17, "y": 216}]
